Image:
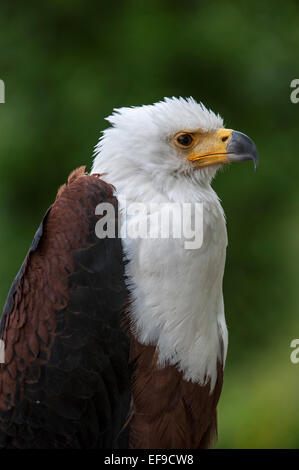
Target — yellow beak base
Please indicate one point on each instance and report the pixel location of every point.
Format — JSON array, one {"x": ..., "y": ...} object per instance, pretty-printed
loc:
[{"x": 212, "y": 148}]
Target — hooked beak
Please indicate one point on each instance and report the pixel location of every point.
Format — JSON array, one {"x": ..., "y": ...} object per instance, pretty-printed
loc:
[{"x": 226, "y": 145}]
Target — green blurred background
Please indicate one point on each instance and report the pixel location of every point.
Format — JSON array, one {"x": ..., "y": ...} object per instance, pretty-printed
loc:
[{"x": 67, "y": 63}]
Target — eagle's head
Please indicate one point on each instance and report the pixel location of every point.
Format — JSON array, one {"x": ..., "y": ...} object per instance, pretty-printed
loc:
[{"x": 172, "y": 139}]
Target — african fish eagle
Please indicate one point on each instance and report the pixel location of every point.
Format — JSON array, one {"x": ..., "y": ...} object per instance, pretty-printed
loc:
[{"x": 120, "y": 342}]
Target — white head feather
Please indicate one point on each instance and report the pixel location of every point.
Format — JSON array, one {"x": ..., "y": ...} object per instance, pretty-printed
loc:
[{"x": 138, "y": 142}]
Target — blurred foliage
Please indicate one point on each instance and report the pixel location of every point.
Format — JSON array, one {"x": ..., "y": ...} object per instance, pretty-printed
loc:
[{"x": 67, "y": 63}]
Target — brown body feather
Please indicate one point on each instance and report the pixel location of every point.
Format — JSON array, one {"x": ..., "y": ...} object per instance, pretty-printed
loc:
[
  {"x": 29, "y": 329},
  {"x": 65, "y": 382},
  {"x": 168, "y": 411}
]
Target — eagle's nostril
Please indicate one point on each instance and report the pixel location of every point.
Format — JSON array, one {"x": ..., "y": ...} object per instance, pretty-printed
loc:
[{"x": 224, "y": 139}]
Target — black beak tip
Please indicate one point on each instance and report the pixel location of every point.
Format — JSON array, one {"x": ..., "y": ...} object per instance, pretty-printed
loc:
[{"x": 242, "y": 148}]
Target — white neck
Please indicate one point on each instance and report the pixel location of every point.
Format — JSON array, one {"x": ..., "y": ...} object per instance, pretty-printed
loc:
[{"x": 177, "y": 301}]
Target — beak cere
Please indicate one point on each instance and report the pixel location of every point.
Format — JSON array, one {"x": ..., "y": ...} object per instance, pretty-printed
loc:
[{"x": 224, "y": 146}]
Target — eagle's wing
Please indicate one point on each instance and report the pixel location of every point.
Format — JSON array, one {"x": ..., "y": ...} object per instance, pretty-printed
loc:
[{"x": 65, "y": 382}]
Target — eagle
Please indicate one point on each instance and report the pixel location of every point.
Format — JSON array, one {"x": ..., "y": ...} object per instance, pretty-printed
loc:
[{"x": 120, "y": 341}]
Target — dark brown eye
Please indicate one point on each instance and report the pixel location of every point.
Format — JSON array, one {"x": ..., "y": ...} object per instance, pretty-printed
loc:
[{"x": 185, "y": 140}]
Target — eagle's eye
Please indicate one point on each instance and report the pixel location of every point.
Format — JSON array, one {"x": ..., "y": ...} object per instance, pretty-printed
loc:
[{"x": 184, "y": 140}]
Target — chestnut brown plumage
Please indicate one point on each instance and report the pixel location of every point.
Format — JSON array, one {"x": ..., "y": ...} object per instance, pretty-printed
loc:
[
  {"x": 168, "y": 411},
  {"x": 65, "y": 381}
]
